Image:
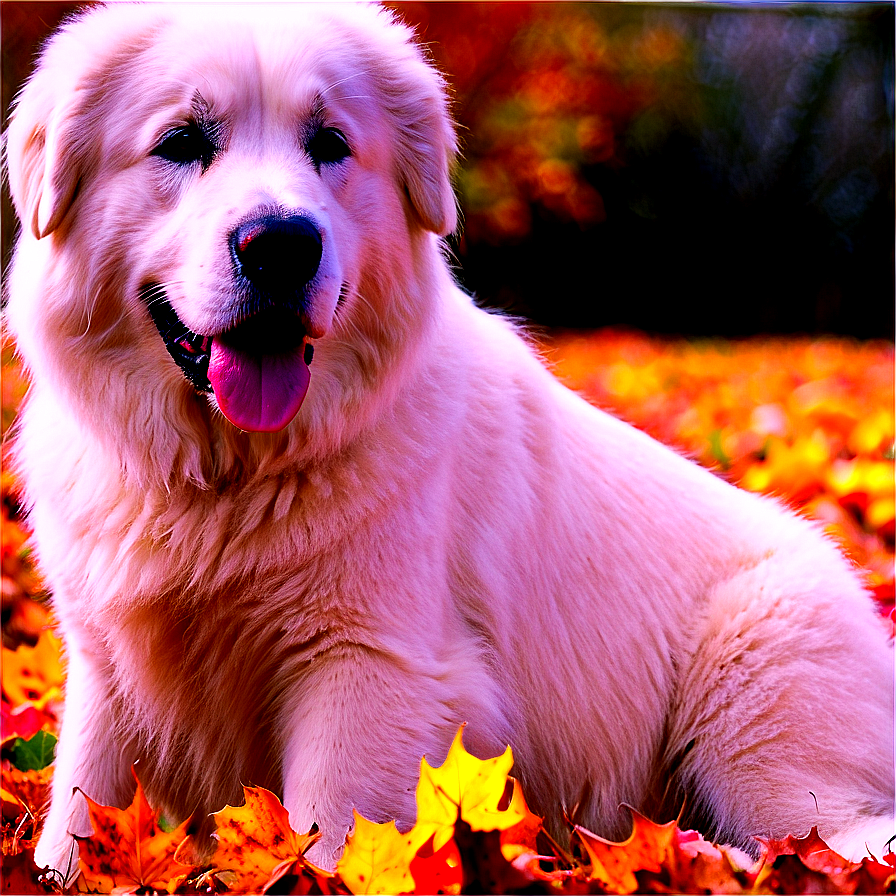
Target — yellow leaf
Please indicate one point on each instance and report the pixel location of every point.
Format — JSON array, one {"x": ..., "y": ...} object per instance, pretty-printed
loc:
[
  {"x": 377, "y": 858},
  {"x": 256, "y": 839},
  {"x": 464, "y": 787},
  {"x": 380, "y": 859},
  {"x": 30, "y": 673},
  {"x": 520, "y": 837},
  {"x": 129, "y": 848}
]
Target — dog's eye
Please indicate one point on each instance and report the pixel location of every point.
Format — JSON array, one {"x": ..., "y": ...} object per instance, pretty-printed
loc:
[
  {"x": 185, "y": 145},
  {"x": 328, "y": 146}
]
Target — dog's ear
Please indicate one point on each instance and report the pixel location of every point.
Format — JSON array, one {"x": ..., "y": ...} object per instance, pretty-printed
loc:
[
  {"x": 42, "y": 167},
  {"x": 47, "y": 150},
  {"x": 43, "y": 172},
  {"x": 425, "y": 155},
  {"x": 426, "y": 140}
]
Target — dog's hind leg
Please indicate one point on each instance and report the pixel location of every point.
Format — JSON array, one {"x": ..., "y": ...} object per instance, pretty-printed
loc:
[{"x": 784, "y": 714}]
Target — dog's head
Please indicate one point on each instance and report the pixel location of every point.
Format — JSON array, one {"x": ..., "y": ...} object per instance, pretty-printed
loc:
[{"x": 208, "y": 196}]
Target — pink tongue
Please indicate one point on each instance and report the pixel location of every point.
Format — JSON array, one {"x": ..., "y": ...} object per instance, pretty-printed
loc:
[{"x": 258, "y": 393}]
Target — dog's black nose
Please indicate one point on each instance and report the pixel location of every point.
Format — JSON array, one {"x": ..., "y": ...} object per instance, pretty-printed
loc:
[{"x": 277, "y": 255}]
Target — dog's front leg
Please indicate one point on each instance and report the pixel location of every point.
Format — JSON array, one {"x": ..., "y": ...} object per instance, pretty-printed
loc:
[
  {"x": 89, "y": 761},
  {"x": 355, "y": 732}
]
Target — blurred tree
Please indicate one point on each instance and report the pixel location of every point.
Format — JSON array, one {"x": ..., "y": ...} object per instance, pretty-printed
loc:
[{"x": 698, "y": 169}]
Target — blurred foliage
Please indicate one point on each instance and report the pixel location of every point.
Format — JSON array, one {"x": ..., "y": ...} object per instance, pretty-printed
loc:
[
  {"x": 810, "y": 421},
  {"x": 690, "y": 168},
  {"x": 693, "y": 169},
  {"x": 577, "y": 86}
]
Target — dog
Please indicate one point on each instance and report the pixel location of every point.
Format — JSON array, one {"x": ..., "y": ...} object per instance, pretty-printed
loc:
[{"x": 305, "y": 508}]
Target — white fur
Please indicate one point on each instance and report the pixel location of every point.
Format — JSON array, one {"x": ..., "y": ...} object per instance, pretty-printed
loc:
[{"x": 444, "y": 534}]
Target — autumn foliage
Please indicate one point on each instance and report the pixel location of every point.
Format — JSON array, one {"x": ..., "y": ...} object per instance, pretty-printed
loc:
[{"x": 810, "y": 421}]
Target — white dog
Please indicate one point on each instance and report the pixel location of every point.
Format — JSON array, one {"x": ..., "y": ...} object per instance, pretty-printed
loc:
[{"x": 306, "y": 574}]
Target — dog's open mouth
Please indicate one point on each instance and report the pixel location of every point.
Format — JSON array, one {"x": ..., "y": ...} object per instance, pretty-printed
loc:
[{"x": 258, "y": 370}]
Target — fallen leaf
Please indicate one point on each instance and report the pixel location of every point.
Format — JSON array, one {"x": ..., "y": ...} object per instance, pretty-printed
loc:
[
  {"x": 35, "y": 753},
  {"x": 520, "y": 837},
  {"x": 465, "y": 794},
  {"x": 377, "y": 858},
  {"x": 614, "y": 864},
  {"x": 24, "y": 794},
  {"x": 471, "y": 862},
  {"x": 485, "y": 868},
  {"x": 468, "y": 788},
  {"x": 438, "y": 871},
  {"x": 808, "y": 864},
  {"x": 129, "y": 848},
  {"x": 697, "y": 866},
  {"x": 256, "y": 842}
]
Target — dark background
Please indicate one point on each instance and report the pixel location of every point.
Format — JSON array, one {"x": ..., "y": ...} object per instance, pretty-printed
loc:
[{"x": 711, "y": 169}]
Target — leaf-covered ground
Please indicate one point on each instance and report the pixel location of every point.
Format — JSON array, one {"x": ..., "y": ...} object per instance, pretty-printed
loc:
[{"x": 811, "y": 421}]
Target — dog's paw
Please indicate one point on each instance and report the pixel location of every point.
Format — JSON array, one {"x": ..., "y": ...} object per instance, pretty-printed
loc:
[{"x": 57, "y": 857}]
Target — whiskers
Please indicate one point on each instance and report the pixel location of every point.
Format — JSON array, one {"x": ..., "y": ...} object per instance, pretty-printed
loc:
[{"x": 158, "y": 291}]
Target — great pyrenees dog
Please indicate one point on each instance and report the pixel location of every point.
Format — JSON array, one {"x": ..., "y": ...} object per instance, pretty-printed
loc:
[{"x": 305, "y": 508}]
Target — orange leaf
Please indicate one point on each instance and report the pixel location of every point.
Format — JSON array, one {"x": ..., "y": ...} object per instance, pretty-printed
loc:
[
  {"x": 520, "y": 838},
  {"x": 24, "y": 795},
  {"x": 438, "y": 872},
  {"x": 811, "y": 849},
  {"x": 698, "y": 866},
  {"x": 803, "y": 862},
  {"x": 129, "y": 848},
  {"x": 615, "y": 864},
  {"x": 255, "y": 840}
]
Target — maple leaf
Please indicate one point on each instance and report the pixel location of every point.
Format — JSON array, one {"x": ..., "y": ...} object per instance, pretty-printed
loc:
[
  {"x": 257, "y": 844},
  {"x": 471, "y": 862},
  {"x": 24, "y": 793},
  {"x": 520, "y": 837},
  {"x": 439, "y": 871},
  {"x": 377, "y": 858},
  {"x": 463, "y": 794},
  {"x": 807, "y": 864},
  {"x": 614, "y": 864},
  {"x": 129, "y": 849},
  {"x": 467, "y": 788}
]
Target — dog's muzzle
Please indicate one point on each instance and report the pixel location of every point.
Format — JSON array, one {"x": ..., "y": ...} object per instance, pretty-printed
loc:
[{"x": 258, "y": 369}]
